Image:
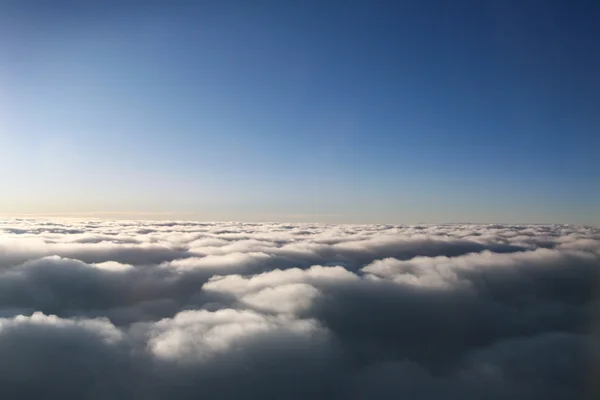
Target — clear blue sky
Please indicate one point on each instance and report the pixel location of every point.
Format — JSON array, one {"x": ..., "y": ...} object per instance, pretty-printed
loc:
[{"x": 334, "y": 111}]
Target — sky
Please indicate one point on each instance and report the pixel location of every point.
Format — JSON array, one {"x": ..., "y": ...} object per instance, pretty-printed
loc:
[{"x": 322, "y": 111}]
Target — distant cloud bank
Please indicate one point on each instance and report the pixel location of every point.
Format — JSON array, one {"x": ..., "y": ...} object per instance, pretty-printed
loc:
[{"x": 182, "y": 310}]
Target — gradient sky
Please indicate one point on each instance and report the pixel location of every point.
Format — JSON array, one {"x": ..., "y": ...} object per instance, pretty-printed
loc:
[{"x": 328, "y": 111}]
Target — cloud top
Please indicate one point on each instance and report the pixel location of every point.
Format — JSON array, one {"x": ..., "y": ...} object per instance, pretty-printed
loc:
[{"x": 131, "y": 309}]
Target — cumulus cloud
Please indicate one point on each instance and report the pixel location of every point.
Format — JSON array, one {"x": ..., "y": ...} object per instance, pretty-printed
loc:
[{"x": 175, "y": 309}]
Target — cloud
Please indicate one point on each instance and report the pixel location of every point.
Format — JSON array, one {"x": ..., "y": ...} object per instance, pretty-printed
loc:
[
  {"x": 129, "y": 309},
  {"x": 198, "y": 336}
]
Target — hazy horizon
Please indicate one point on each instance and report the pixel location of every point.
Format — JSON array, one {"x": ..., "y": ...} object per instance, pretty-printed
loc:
[{"x": 259, "y": 219}]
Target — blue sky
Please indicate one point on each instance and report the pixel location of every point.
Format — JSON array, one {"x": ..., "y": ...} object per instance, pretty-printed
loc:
[{"x": 332, "y": 111}]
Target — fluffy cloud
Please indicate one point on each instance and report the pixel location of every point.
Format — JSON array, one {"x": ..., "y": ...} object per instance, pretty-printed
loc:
[{"x": 131, "y": 309}]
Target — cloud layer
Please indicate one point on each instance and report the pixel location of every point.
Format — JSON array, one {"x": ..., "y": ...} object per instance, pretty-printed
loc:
[{"x": 143, "y": 310}]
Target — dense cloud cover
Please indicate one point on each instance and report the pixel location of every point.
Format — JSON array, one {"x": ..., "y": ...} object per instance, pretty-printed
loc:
[{"x": 156, "y": 310}]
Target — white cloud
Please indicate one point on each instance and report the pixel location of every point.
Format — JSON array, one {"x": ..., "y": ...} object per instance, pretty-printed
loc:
[
  {"x": 287, "y": 298},
  {"x": 195, "y": 336},
  {"x": 134, "y": 309}
]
